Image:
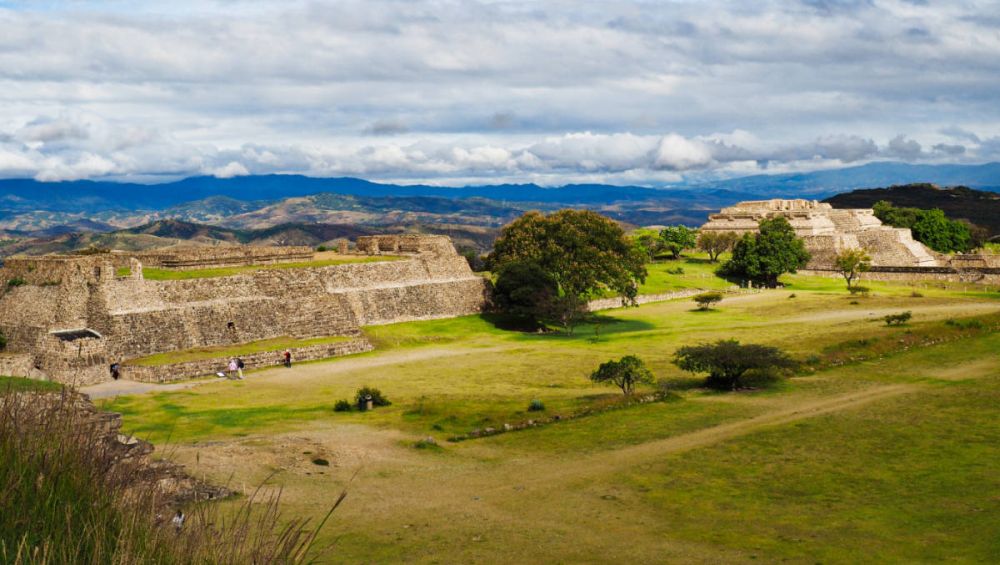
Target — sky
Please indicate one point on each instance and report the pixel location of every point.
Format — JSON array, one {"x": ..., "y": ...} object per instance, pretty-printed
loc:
[{"x": 456, "y": 92}]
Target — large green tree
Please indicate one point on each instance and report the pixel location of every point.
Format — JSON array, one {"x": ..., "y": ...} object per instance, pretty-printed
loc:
[
  {"x": 678, "y": 238},
  {"x": 768, "y": 254},
  {"x": 584, "y": 253}
]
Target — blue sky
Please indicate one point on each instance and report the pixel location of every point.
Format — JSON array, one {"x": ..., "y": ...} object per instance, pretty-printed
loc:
[{"x": 452, "y": 92}]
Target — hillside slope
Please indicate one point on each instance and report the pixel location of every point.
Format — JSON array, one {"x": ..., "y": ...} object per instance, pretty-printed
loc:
[{"x": 960, "y": 202}]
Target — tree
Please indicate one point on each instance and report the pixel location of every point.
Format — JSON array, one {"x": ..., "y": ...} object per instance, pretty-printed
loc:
[
  {"x": 727, "y": 361},
  {"x": 524, "y": 290},
  {"x": 706, "y": 300},
  {"x": 583, "y": 252},
  {"x": 930, "y": 227},
  {"x": 716, "y": 243},
  {"x": 678, "y": 238},
  {"x": 648, "y": 242},
  {"x": 765, "y": 256},
  {"x": 624, "y": 373},
  {"x": 851, "y": 263}
]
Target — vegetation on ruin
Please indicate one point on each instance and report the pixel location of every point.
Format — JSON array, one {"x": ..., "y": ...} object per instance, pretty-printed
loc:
[
  {"x": 930, "y": 227},
  {"x": 277, "y": 345},
  {"x": 826, "y": 462},
  {"x": 162, "y": 274}
]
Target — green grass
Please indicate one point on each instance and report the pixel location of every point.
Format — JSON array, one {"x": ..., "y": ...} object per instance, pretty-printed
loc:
[
  {"x": 161, "y": 274},
  {"x": 698, "y": 273},
  {"x": 277, "y": 344},
  {"x": 881, "y": 482},
  {"x": 21, "y": 384}
]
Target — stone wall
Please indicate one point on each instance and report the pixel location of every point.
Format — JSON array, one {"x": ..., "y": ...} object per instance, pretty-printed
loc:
[
  {"x": 208, "y": 367},
  {"x": 983, "y": 276},
  {"x": 224, "y": 256},
  {"x": 137, "y": 317}
]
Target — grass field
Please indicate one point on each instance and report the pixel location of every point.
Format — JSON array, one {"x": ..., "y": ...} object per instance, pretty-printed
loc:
[
  {"x": 886, "y": 451},
  {"x": 160, "y": 274}
]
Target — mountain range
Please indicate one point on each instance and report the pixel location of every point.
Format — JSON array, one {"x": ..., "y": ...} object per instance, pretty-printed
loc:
[{"x": 285, "y": 209}]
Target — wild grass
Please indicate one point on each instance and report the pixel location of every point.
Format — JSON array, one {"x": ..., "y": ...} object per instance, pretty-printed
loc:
[
  {"x": 277, "y": 345},
  {"x": 161, "y": 274},
  {"x": 72, "y": 494}
]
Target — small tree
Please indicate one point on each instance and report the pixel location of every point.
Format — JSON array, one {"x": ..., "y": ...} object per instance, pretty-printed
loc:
[
  {"x": 851, "y": 263},
  {"x": 706, "y": 300},
  {"x": 726, "y": 361},
  {"x": 716, "y": 243},
  {"x": 624, "y": 373},
  {"x": 678, "y": 238}
]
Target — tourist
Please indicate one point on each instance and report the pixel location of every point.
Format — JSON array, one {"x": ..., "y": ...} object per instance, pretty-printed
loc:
[
  {"x": 288, "y": 358},
  {"x": 239, "y": 367},
  {"x": 115, "y": 371},
  {"x": 233, "y": 368},
  {"x": 178, "y": 521}
]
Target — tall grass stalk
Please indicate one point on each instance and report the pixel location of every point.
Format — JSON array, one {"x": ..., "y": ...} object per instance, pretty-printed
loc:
[{"x": 71, "y": 492}]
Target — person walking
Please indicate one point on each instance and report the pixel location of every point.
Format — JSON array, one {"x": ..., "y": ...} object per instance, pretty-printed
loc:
[
  {"x": 178, "y": 521},
  {"x": 288, "y": 359},
  {"x": 233, "y": 367},
  {"x": 239, "y": 367}
]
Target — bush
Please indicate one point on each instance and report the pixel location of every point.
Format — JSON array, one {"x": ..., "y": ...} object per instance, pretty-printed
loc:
[
  {"x": 862, "y": 290},
  {"x": 536, "y": 406},
  {"x": 706, "y": 300},
  {"x": 675, "y": 271},
  {"x": 727, "y": 362},
  {"x": 898, "y": 319},
  {"x": 16, "y": 281},
  {"x": 342, "y": 405},
  {"x": 322, "y": 248},
  {"x": 426, "y": 443},
  {"x": 792, "y": 295},
  {"x": 966, "y": 324},
  {"x": 376, "y": 394},
  {"x": 916, "y": 294}
]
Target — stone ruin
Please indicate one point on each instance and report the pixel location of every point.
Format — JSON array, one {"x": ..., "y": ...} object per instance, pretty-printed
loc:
[
  {"x": 67, "y": 318},
  {"x": 828, "y": 231}
]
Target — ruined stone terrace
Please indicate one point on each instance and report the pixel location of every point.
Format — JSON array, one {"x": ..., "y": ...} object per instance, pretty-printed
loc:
[{"x": 56, "y": 298}]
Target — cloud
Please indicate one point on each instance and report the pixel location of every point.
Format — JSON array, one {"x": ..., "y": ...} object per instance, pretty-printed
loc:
[
  {"x": 631, "y": 91},
  {"x": 230, "y": 170}
]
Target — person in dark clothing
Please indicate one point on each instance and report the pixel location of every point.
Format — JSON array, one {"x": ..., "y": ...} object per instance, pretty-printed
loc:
[
  {"x": 115, "y": 371},
  {"x": 288, "y": 358}
]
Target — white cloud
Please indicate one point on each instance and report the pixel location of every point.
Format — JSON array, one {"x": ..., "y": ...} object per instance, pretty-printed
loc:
[
  {"x": 444, "y": 91},
  {"x": 230, "y": 170}
]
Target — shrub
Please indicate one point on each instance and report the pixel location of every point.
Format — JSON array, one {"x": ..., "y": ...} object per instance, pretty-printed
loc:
[
  {"x": 898, "y": 319},
  {"x": 322, "y": 248},
  {"x": 966, "y": 324},
  {"x": 727, "y": 362},
  {"x": 16, "y": 281},
  {"x": 536, "y": 406},
  {"x": 319, "y": 461},
  {"x": 706, "y": 300},
  {"x": 862, "y": 290},
  {"x": 342, "y": 405},
  {"x": 376, "y": 394},
  {"x": 916, "y": 294},
  {"x": 792, "y": 295},
  {"x": 426, "y": 443},
  {"x": 675, "y": 271}
]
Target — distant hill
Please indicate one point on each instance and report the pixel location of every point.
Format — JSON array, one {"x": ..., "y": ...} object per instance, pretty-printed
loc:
[{"x": 960, "y": 202}]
